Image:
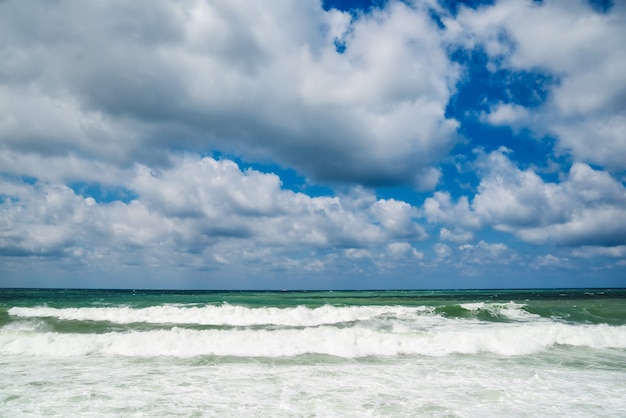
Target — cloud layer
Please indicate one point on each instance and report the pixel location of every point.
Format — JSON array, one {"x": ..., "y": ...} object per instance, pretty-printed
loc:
[
  {"x": 586, "y": 109},
  {"x": 206, "y": 213},
  {"x": 412, "y": 144},
  {"x": 123, "y": 83}
]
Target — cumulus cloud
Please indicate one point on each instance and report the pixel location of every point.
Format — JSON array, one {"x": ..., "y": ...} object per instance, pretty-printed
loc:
[
  {"x": 551, "y": 261},
  {"x": 442, "y": 250},
  {"x": 441, "y": 209},
  {"x": 201, "y": 206},
  {"x": 156, "y": 101},
  {"x": 62, "y": 168},
  {"x": 590, "y": 252},
  {"x": 506, "y": 115},
  {"x": 56, "y": 204},
  {"x": 586, "y": 109},
  {"x": 588, "y": 208},
  {"x": 456, "y": 235},
  {"x": 121, "y": 83},
  {"x": 510, "y": 198},
  {"x": 403, "y": 250},
  {"x": 483, "y": 252}
]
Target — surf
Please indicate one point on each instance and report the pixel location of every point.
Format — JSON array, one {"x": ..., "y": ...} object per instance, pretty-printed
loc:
[{"x": 349, "y": 342}]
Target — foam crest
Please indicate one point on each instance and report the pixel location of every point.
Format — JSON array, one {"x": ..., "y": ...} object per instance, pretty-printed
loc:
[
  {"x": 510, "y": 310},
  {"x": 224, "y": 315},
  {"x": 26, "y": 325},
  {"x": 353, "y": 342}
]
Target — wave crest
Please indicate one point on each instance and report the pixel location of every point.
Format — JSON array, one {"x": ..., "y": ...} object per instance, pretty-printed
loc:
[{"x": 353, "y": 342}]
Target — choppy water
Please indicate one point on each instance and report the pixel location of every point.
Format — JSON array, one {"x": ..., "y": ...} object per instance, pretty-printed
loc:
[{"x": 396, "y": 353}]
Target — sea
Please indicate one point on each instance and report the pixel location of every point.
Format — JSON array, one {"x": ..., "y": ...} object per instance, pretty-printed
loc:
[{"x": 461, "y": 353}]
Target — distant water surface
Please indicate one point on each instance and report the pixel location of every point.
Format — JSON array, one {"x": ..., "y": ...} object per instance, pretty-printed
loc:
[{"x": 495, "y": 353}]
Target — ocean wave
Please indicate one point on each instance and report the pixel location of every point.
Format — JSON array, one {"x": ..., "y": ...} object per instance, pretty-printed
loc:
[
  {"x": 511, "y": 310},
  {"x": 299, "y": 316},
  {"x": 224, "y": 315},
  {"x": 353, "y": 342}
]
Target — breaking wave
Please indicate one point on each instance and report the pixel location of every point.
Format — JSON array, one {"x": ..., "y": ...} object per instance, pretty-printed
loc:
[{"x": 347, "y": 331}]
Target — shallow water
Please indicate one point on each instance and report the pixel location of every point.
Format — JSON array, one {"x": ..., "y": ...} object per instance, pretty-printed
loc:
[{"x": 466, "y": 354}]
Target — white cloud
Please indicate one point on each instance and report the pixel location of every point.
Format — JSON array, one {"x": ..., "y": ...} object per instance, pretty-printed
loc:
[
  {"x": 358, "y": 254},
  {"x": 590, "y": 252},
  {"x": 442, "y": 250},
  {"x": 588, "y": 226},
  {"x": 403, "y": 250},
  {"x": 128, "y": 82},
  {"x": 510, "y": 198},
  {"x": 397, "y": 216},
  {"x": 127, "y": 96},
  {"x": 441, "y": 209},
  {"x": 483, "y": 253},
  {"x": 506, "y": 115},
  {"x": 41, "y": 219},
  {"x": 551, "y": 261},
  {"x": 587, "y": 208},
  {"x": 202, "y": 212},
  {"x": 456, "y": 235},
  {"x": 62, "y": 168},
  {"x": 581, "y": 48}
]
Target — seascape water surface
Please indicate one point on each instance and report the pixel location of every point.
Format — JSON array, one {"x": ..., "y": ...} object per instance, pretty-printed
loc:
[{"x": 367, "y": 353}]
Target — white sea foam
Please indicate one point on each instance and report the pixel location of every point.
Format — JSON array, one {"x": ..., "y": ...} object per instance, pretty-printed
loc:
[
  {"x": 27, "y": 325},
  {"x": 225, "y": 314},
  {"x": 469, "y": 386},
  {"x": 326, "y": 361},
  {"x": 349, "y": 332},
  {"x": 510, "y": 310},
  {"x": 351, "y": 342}
]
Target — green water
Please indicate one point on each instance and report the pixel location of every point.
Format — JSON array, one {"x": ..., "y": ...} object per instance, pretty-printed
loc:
[
  {"x": 487, "y": 353},
  {"x": 592, "y": 306}
]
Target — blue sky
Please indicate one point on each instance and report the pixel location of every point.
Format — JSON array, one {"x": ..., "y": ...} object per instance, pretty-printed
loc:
[{"x": 300, "y": 144}]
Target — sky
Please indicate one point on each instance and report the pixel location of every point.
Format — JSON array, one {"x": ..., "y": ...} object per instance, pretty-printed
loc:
[{"x": 307, "y": 144}]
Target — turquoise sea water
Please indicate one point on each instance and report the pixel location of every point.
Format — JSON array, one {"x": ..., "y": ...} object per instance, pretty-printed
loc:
[{"x": 493, "y": 353}]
